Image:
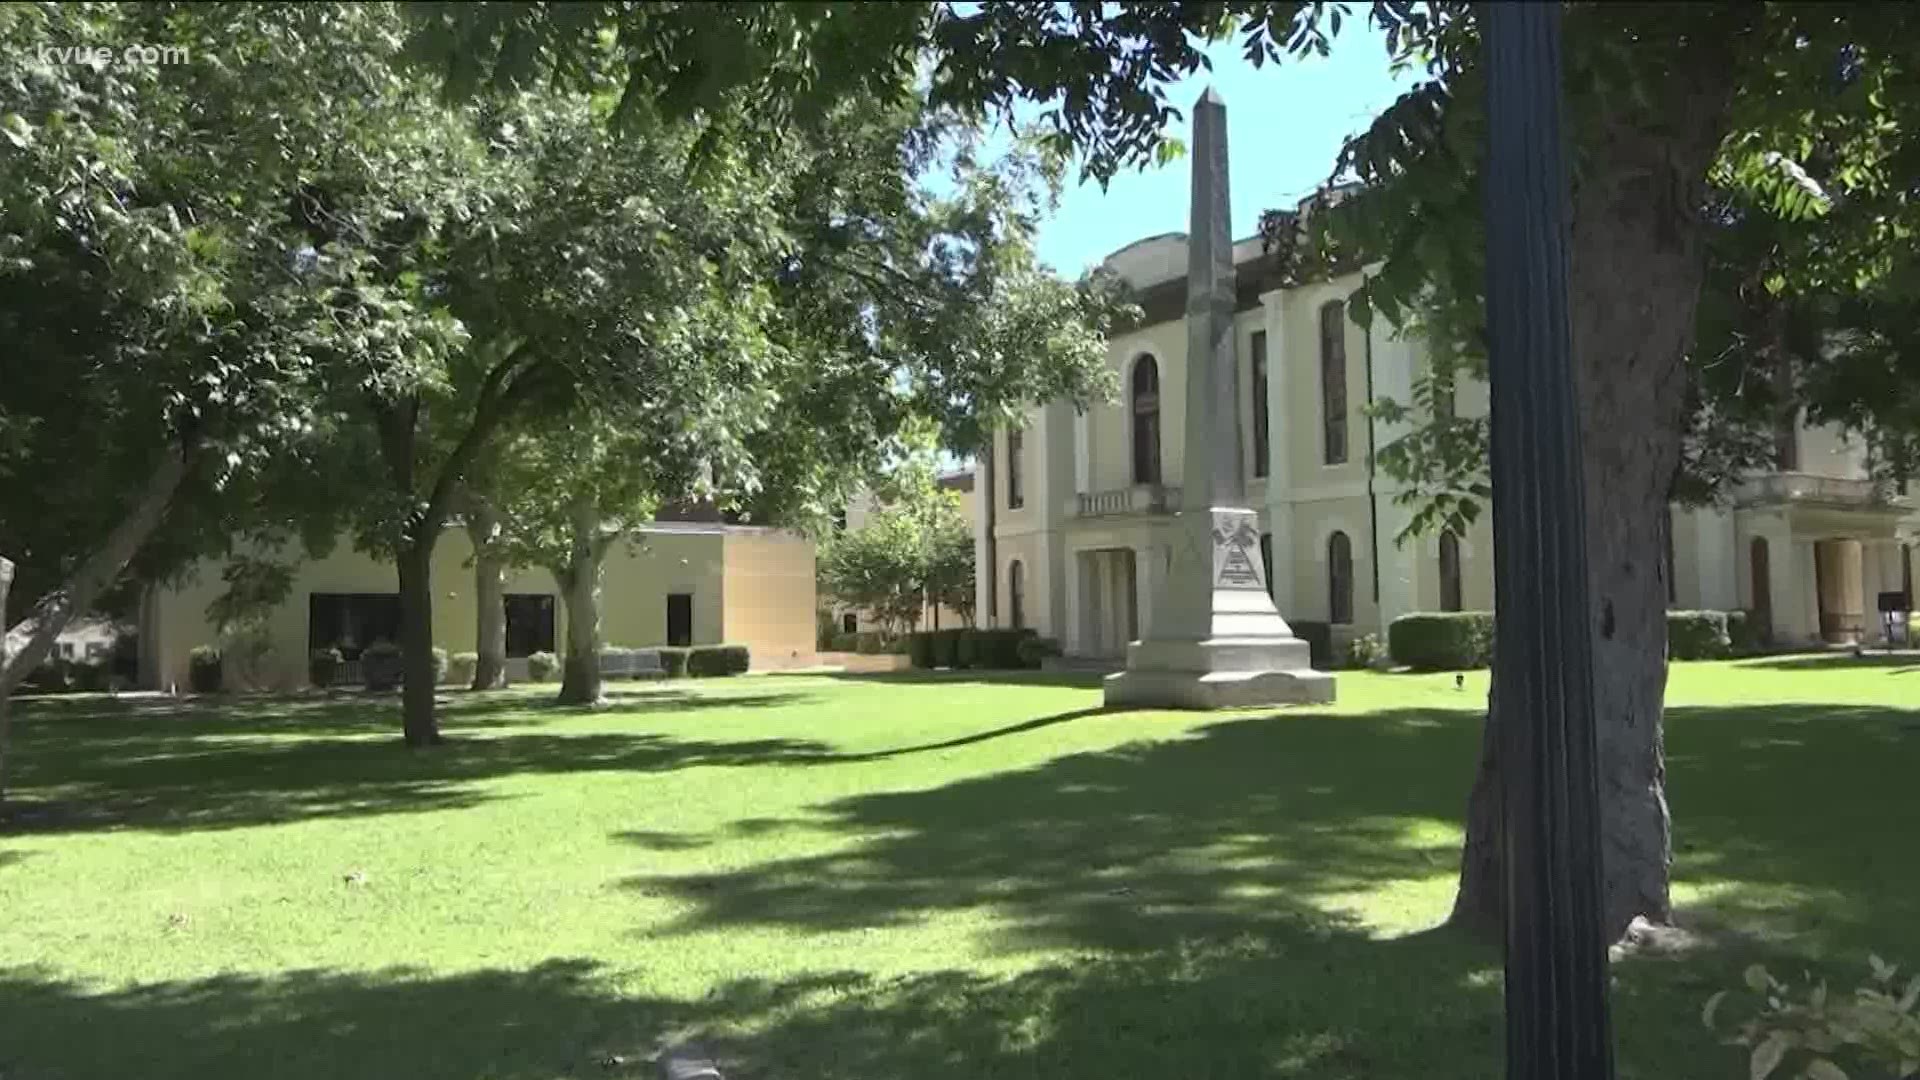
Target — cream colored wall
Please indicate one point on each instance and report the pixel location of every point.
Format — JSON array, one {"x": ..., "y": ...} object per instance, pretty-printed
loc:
[
  {"x": 637, "y": 576},
  {"x": 749, "y": 587},
  {"x": 1476, "y": 568},
  {"x": 1031, "y": 553},
  {"x": 769, "y": 597},
  {"x": 181, "y": 612},
  {"x": 1110, "y": 426},
  {"x": 1304, "y": 428},
  {"x": 1826, "y": 450}
]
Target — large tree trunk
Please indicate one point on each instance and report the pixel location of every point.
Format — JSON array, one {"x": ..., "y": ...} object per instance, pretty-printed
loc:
[
  {"x": 100, "y": 570},
  {"x": 580, "y": 587},
  {"x": 418, "y": 722},
  {"x": 1637, "y": 265},
  {"x": 6, "y": 713},
  {"x": 489, "y": 597}
]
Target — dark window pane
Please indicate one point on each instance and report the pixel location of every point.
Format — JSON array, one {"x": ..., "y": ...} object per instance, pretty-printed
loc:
[
  {"x": 1333, "y": 380},
  {"x": 679, "y": 618},
  {"x": 1259, "y": 390}
]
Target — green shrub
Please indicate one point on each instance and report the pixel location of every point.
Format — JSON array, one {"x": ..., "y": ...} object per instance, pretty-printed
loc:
[
  {"x": 91, "y": 676},
  {"x": 1442, "y": 640},
  {"x": 1803, "y": 1031},
  {"x": 871, "y": 642},
  {"x": 1697, "y": 635},
  {"x": 205, "y": 669},
  {"x": 461, "y": 667},
  {"x": 844, "y": 642},
  {"x": 52, "y": 677},
  {"x": 920, "y": 649},
  {"x": 1034, "y": 651},
  {"x": 708, "y": 661},
  {"x": 673, "y": 658},
  {"x": 1744, "y": 635},
  {"x": 542, "y": 667},
  {"x": 323, "y": 666},
  {"x": 896, "y": 645},
  {"x": 1319, "y": 639},
  {"x": 440, "y": 664},
  {"x": 1365, "y": 651},
  {"x": 997, "y": 649},
  {"x": 946, "y": 644},
  {"x": 382, "y": 665}
]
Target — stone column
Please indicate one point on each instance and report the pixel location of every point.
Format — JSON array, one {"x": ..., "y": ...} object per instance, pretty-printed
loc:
[
  {"x": 1716, "y": 560},
  {"x": 1841, "y": 604},
  {"x": 984, "y": 556},
  {"x": 1401, "y": 565},
  {"x": 1146, "y": 582},
  {"x": 1796, "y": 602},
  {"x": 1216, "y": 640},
  {"x": 1279, "y": 449}
]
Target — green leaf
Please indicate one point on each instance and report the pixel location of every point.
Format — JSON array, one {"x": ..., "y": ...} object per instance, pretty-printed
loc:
[
  {"x": 17, "y": 130},
  {"x": 1713, "y": 1006},
  {"x": 1768, "y": 1055},
  {"x": 1822, "y": 1069},
  {"x": 1756, "y": 978}
]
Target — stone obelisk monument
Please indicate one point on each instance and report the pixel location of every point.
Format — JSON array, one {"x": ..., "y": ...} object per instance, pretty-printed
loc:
[{"x": 1215, "y": 640}]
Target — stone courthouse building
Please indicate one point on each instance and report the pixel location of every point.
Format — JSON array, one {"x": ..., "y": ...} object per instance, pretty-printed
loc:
[{"x": 1072, "y": 535}]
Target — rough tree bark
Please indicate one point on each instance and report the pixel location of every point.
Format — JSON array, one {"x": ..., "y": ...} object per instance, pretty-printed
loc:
[
  {"x": 489, "y": 596},
  {"x": 1637, "y": 265},
  {"x": 579, "y": 582},
  {"x": 419, "y": 726}
]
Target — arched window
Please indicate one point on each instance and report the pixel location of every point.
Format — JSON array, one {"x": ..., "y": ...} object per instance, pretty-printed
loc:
[
  {"x": 1906, "y": 572},
  {"x": 1449, "y": 572},
  {"x": 1261, "y": 439},
  {"x": 1016, "y": 594},
  {"x": 1762, "y": 585},
  {"x": 1016, "y": 485},
  {"x": 1339, "y": 579},
  {"x": 1333, "y": 380},
  {"x": 1146, "y": 420}
]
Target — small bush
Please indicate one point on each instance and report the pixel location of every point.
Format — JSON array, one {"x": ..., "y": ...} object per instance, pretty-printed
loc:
[
  {"x": 673, "y": 658},
  {"x": 1697, "y": 635},
  {"x": 946, "y": 644},
  {"x": 1744, "y": 633},
  {"x": 91, "y": 676},
  {"x": 440, "y": 664},
  {"x": 542, "y": 667},
  {"x": 383, "y": 666},
  {"x": 55, "y": 676},
  {"x": 965, "y": 650},
  {"x": 323, "y": 666},
  {"x": 871, "y": 642},
  {"x": 1365, "y": 651},
  {"x": 1035, "y": 651},
  {"x": 1442, "y": 640},
  {"x": 709, "y": 661},
  {"x": 205, "y": 669},
  {"x": 461, "y": 667},
  {"x": 1319, "y": 639},
  {"x": 998, "y": 649},
  {"x": 844, "y": 642},
  {"x": 1803, "y": 1031},
  {"x": 920, "y": 649}
]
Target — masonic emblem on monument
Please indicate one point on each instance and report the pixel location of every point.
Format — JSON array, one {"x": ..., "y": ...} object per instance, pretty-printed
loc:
[{"x": 1234, "y": 565}]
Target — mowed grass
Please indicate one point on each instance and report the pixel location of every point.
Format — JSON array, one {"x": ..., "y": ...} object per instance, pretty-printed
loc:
[{"x": 890, "y": 877}]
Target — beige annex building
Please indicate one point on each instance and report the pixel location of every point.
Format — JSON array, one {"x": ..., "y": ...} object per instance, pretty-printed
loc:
[
  {"x": 1072, "y": 534},
  {"x": 679, "y": 583}
]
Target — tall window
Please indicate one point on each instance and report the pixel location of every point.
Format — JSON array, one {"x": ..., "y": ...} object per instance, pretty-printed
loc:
[
  {"x": 1333, "y": 380},
  {"x": 1449, "y": 572},
  {"x": 1016, "y": 594},
  {"x": 1259, "y": 351},
  {"x": 679, "y": 619},
  {"x": 1761, "y": 584},
  {"x": 1146, "y": 420},
  {"x": 1906, "y": 572},
  {"x": 1339, "y": 579},
  {"x": 1016, "y": 493}
]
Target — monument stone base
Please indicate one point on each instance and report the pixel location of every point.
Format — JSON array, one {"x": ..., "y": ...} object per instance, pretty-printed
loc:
[{"x": 1221, "y": 673}]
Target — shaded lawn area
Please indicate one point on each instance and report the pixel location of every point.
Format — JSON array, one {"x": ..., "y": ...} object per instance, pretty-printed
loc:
[{"x": 925, "y": 877}]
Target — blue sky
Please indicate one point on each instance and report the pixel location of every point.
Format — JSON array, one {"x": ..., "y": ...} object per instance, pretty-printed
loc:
[{"x": 1285, "y": 124}]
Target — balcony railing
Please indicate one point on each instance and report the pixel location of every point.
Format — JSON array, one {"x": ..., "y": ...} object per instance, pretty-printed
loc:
[
  {"x": 1137, "y": 499},
  {"x": 1791, "y": 487}
]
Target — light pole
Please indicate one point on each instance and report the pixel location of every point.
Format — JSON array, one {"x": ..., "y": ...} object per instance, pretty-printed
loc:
[{"x": 1556, "y": 960}]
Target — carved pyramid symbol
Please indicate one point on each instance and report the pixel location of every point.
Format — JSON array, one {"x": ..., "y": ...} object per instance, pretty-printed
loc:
[{"x": 1236, "y": 569}]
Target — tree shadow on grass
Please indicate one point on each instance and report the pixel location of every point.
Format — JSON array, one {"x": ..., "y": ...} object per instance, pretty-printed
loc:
[
  {"x": 1080, "y": 680},
  {"x": 1902, "y": 663},
  {"x": 257, "y": 765}
]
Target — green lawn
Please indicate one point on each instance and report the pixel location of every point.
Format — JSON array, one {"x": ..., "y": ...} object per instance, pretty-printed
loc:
[{"x": 864, "y": 879}]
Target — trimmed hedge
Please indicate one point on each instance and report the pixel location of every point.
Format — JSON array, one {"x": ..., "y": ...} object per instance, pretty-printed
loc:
[
  {"x": 998, "y": 648},
  {"x": 1697, "y": 635},
  {"x": 920, "y": 649},
  {"x": 206, "y": 669},
  {"x": 872, "y": 642},
  {"x": 1035, "y": 651},
  {"x": 674, "y": 659},
  {"x": 461, "y": 666},
  {"x": 1442, "y": 640},
  {"x": 946, "y": 648},
  {"x": 439, "y": 666},
  {"x": 323, "y": 665},
  {"x": 1319, "y": 639},
  {"x": 542, "y": 666},
  {"x": 709, "y": 661},
  {"x": 1744, "y": 634}
]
